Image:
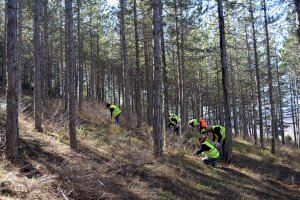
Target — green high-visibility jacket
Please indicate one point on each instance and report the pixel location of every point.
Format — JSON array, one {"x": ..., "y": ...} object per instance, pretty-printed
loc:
[
  {"x": 213, "y": 152},
  {"x": 174, "y": 119},
  {"x": 222, "y": 132},
  {"x": 117, "y": 111},
  {"x": 194, "y": 122}
]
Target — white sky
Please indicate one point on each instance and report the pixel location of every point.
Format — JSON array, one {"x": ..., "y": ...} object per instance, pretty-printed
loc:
[{"x": 112, "y": 2}]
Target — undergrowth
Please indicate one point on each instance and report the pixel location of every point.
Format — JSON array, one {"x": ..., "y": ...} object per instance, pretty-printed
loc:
[{"x": 117, "y": 163}]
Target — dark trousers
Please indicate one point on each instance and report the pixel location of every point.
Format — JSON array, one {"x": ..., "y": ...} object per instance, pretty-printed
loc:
[
  {"x": 117, "y": 120},
  {"x": 176, "y": 129},
  {"x": 223, "y": 149},
  {"x": 210, "y": 161}
]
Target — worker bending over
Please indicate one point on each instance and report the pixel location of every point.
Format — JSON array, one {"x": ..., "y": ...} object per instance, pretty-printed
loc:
[
  {"x": 219, "y": 134},
  {"x": 200, "y": 124},
  {"x": 174, "y": 123},
  {"x": 115, "y": 111},
  {"x": 210, "y": 152}
]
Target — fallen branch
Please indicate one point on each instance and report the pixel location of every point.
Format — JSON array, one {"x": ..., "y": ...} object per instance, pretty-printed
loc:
[
  {"x": 101, "y": 183},
  {"x": 65, "y": 197}
]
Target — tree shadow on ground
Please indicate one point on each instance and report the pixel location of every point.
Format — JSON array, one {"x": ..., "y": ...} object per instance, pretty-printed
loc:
[
  {"x": 180, "y": 189},
  {"x": 232, "y": 183},
  {"x": 276, "y": 171},
  {"x": 76, "y": 181}
]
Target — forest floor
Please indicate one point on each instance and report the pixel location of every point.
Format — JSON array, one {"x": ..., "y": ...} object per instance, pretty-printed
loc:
[{"x": 112, "y": 163}]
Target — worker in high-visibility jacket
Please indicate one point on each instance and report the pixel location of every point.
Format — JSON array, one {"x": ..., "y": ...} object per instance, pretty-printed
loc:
[
  {"x": 219, "y": 135},
  {"x": 115, "y": 111},
  {"x": 210, "y": 152},
  {"x": 200, "y": 123},
  {"x": 174, "y": 123}
]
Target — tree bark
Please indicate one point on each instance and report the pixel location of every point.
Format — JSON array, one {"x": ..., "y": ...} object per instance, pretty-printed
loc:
[
  {"x": 293, "y": 109},
  {"x": 260, "y": 112},
  {"x": 70, "y": 66},
  {"x": 125, "y": 63},
  {"x": 273, "y": 118},
  {"x": 234, "y": 102},
  {"x": 297, "y": 4},
  {"x": 157, "y": 120},
  {"x": 20, "y": 49},
  {"x": 47, "y": 62},
  {"x": 80, "y": 52},
  {"x": 12, "y": 125},
  {"x": 149, "y": 79},
  {"x": 178, "y": 82},
  {"x": 280, "y": 101},
  {"x": 164, "y": 66},
  {"x": 253, "y": 95},
  {"x": 184, "y": 103},
  {"x": 228, "y": 143},
  {"x": 138, "y": 105},
  {"x": 37, "y": 67}
]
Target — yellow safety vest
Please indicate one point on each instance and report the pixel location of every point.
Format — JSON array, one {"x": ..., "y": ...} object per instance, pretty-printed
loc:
[
  {"x": 117, "y": 111},
  {"x": 223, "y": 131},
  {"x": 213, "y": 152},
  {"x": 173, "y": 119}
]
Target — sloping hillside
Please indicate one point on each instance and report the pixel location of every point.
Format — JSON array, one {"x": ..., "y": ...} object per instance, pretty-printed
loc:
[{"x": 112, "y": 163}]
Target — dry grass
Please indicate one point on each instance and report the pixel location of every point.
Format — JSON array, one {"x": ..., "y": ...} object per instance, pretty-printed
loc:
[{"x": 112, "y": 163}]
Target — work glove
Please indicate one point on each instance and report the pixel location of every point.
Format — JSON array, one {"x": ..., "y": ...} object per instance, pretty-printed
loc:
[{"x": 217, "y": 144}]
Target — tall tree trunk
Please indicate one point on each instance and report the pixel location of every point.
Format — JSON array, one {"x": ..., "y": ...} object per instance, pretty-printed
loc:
[
  {"x": 228, "y": 141},
  {"x": 178, "y": 82},
  {"x": 273, "y": 118},
  {"x": 253, "y": 95},
  {"x": 12, "y": 125},
  {"x": 37, "y": 67},
  {"x": 260, "y": 112},
  {"x": 138, "y": 103},
  {"x": 184, "y": 103},
  {"x": 157, "y": 120},
  {"x": 80, "y": 52},
  {"x": 47, "y": 64},
  {"x": 293, "y": 110},
  {"x": 234, "y": 103},
  {"x": 98, "y": 69},
  {"x": 297, "y": 4},
  {"x": 70, "y": 66},
  {"x": 20, "y": 49},
  {"x": 66, "y": 70},
  {"x": 149, "y": 80},
  {"x": 3, "y": 72},
  {"x": 164, "y": 66},
  {"x": 125, "y": 63},
  {"x": 92, "y": 63},
  {"x": 280, "y": 101}
]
